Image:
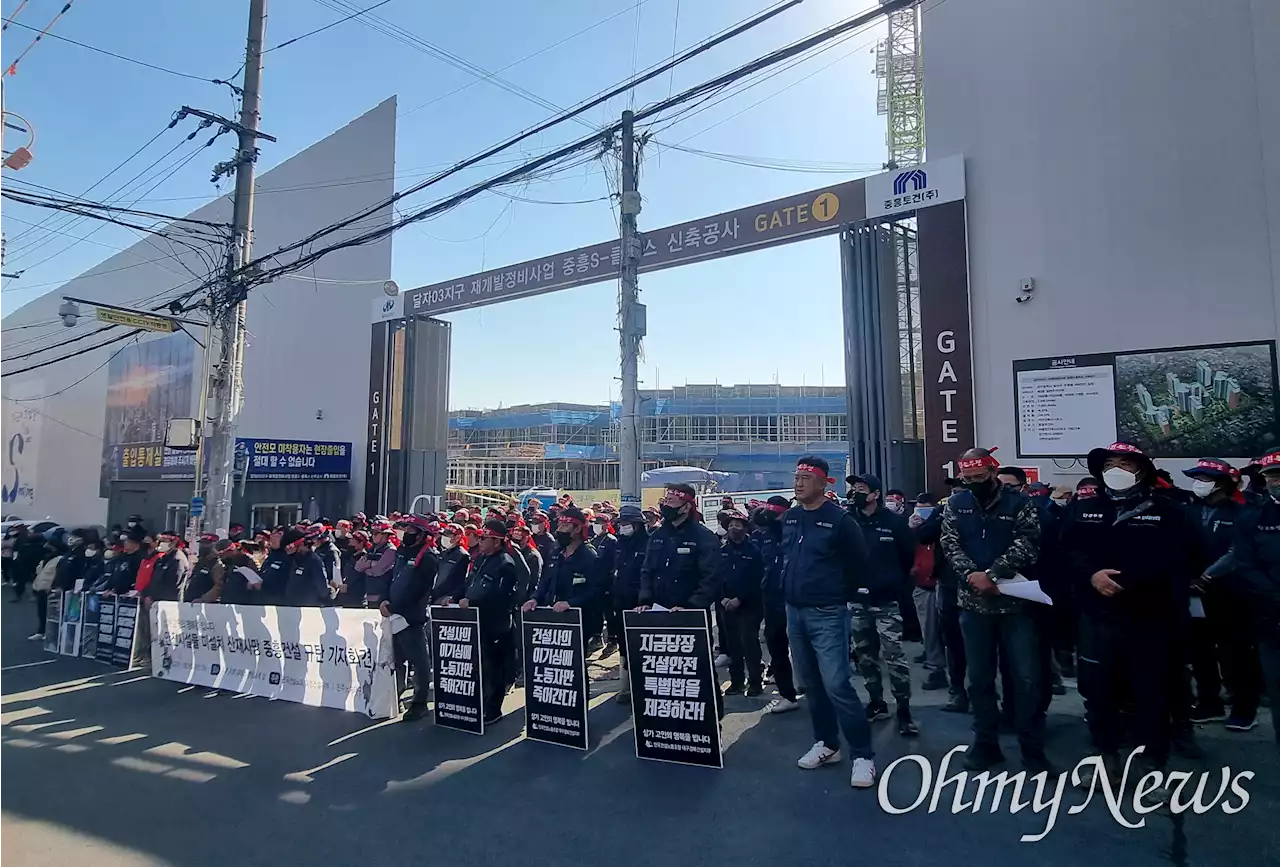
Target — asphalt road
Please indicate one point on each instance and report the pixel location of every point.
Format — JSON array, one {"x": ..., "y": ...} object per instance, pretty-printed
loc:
[{"x": 107, "y": 768}]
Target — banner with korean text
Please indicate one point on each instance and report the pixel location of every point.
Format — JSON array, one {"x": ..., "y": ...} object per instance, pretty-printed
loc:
[
  {"x": 555, "y": 677},
  {"x": 325, "y": 657}
]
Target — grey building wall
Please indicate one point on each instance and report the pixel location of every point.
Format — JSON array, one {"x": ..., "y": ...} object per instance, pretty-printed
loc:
[{"x": 1124, "y": 154}]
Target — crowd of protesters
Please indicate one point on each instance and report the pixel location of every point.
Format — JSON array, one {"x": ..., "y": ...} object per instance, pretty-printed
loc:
[{"x": 1166, "y": 601}]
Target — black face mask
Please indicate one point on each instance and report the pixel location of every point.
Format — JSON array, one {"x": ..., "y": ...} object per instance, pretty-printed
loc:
[
  {"x": 669, "y": 513},
  {"x": 984, "y": 488},
  {"x": 411, "y": 539},
  {"x": 563, "y": 539},
  {"x": 763, "y": 519},
  {"x": 860, "y": 500}
]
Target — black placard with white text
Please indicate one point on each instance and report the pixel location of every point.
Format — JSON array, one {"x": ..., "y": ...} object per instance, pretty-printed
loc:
[
  {"x": 673, "y": 702},
  {"x": 455, "y": 648},
  {"x": 106, "y": 629},
  {"x": 126, "y": 620},
  {"x": 555, "y": 677}
]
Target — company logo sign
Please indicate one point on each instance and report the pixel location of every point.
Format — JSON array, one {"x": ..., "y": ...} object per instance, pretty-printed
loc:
[
  {"x": 385, "y": 309},
  {"x": 932, "y": 183},
  {"x": 917, "y": 178}
]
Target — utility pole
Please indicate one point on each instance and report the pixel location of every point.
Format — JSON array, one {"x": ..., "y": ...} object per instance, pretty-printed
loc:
[
  {"x": 631, "y": 319},
  {"x": 229, "y": 390}
]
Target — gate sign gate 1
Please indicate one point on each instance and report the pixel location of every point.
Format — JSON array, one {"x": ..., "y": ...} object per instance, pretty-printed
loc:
[
  {"x": 673, "y": 699},
  {"x": 555, "y": 677},
  {"x": 459, "y": 681}
]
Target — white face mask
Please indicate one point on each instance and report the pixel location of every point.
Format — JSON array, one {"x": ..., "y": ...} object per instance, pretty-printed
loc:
[
  {"x": 627, "y": 529},
  {"x": 1203, "y": 487},
  {"x": 91, "y": 552},
  {"x": 597, "y": 529},
  {"x": 448, "y": 542},
  {"x": 108, "y": 554},
  {"x": 1118, "y": 479},
  {"x": 924, "y": 512},
  {"x": 164, "y": 547}
]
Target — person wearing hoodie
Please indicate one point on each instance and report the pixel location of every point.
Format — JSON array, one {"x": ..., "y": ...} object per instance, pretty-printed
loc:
[
  {"x": 633, "y": 540},
  {"x": 1132, "y": 555},
  {"x": 491, "y": 586},
  {"x": 408, "y": 596},
  {"x": 1257, "y": 575},
  {"x": 207, "y": 573},
  {"x": 876, "y": 612},
  {"x": 1224, "y": 649}
]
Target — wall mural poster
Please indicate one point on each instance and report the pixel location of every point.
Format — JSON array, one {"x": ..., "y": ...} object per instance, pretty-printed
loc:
[
  {"x": 21, "y": 438},
  {"x": 147, "y": 384},
  {"x": 1197, "y": 402}
]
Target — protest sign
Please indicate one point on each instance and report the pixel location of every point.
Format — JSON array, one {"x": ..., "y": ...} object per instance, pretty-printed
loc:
[
  {"x": 455, "y": 648},
  {"x": 555, "y": 677}
]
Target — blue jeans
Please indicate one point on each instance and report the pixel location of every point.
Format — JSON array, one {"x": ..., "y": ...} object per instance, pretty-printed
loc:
[
  {"x": 820, "y": 653},
  {"x": 1011, "y": 637}
]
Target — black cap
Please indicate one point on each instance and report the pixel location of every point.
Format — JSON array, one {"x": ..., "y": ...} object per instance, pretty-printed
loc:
[
  {"x": 136, "y": 534},
  {"x": 868, "y": 479},
  {"x": 496, "y": 526},
  {"x": 291, "y": 535},
  {"x": 779, "y": 501}
]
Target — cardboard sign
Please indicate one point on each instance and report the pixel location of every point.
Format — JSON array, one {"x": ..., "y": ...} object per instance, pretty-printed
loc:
[
  {"x": 673, "y": 700},
  {"x": 106, "y": 629},
  {"x": 459, "y": 678},
  {"x": 125, "y": 632},
  {"x": 555, "y": 677}
]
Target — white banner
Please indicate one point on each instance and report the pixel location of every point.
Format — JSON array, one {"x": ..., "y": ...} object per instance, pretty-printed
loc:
[
  {"x": 325, "y": 657},
  {"x": 922, "y": 186}
]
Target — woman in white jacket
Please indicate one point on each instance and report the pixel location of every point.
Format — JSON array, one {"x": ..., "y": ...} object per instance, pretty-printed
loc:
[{"x": 43, "y": 583}]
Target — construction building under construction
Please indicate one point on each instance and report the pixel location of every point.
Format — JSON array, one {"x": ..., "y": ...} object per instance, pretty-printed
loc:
[{"x": 756, "y": 431}]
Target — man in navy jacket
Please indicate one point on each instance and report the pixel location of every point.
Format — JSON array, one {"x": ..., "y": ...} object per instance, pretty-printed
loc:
[{"x": 824, "y": 564}]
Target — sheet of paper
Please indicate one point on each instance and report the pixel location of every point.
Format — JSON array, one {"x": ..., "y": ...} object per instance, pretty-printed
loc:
[
  {"x": 656, "y": 607},
  {"x": 1020, "y": 588},
  {"x": 1197, "y": 606},
  {"x": 398, "y": 624}
]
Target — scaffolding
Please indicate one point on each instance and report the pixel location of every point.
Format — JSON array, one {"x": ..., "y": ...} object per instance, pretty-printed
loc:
[{"x": 900, "y": 88}]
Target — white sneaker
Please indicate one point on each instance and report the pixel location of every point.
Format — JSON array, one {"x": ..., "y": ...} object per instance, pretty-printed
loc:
[
  {"x": 782, "y": 705},
  {"x": 820, "y": 754},
  {"x": 864, "y": 774},
  {"x": 722, "y": 660},
  {"x": 39, "y": 636}
]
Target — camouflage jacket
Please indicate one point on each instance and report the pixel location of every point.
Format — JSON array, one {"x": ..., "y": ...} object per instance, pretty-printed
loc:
[{"x": 1019, "y": 557}]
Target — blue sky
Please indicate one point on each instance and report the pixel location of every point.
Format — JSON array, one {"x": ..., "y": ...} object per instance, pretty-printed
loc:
[{"x": 744, "y": 319}]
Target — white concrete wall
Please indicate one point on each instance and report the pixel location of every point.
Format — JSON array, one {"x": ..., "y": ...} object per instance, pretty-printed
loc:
[
  {"x": 1125, "y": 154},
  {"x": 308, "y": 345}
]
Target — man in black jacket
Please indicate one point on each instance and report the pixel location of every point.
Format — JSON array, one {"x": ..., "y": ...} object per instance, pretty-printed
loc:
[
  {"x": 877, "y": 618},
  {"x": 1132, "y": 554},
  {"x": 633, "y": 540},
  {"x": 682, "y": 562},
  {"x": 241, "y": 582},
  {"x": 171, "y": 571},
  {"x": 743, "y": 568},
  {"x": 276, "y": 569},
  {"x": 1257, "y": 571},
  {"x": 824, "y": 563},
  {"x": 768, "y": 535},
  {"x": 573, "y": 577},
  {"x": 992, "y": 533},
  {"x": 1223, "y": 645},
  {"x": 408, "y": 596},
  {"x": 491, "y": 585},
  {"x": 307, "y": 585}
]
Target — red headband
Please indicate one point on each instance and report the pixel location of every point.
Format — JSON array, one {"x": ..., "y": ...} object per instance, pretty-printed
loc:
[
  {"x": 776, "y": 509},
  {"x": 679, "y": 495},
  {"x": 493, "y": 534},
  {"x": 1271, "y": 460},
  {"x": 569, "y": 519},
  {"x": 1219, "y": 466},
  {"x": 977, "y": 463},
  {"x": 817, "y": 471}
]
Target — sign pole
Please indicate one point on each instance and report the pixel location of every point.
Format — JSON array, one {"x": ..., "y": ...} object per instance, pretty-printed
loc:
[{"x": 631, "y": 320}]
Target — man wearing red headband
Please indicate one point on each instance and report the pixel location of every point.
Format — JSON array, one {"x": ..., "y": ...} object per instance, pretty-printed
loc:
[
  {"x": 1258, "y": 567},
  {"x": 491, "y": 586},
  {"x": 409, "y": 595},
  {"x": 991, "y": 532},
  {"x": 824, "y": 563},
  {"x": 1222, "y": 640},
  {"x": 1132, "y": 552},
  {"x": 573, "y": 577}
]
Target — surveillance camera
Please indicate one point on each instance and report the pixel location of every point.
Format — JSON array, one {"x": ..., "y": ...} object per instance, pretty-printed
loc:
[
  {"x": 1023, "y": 299},
  {"x": 69, "y": 312}
]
